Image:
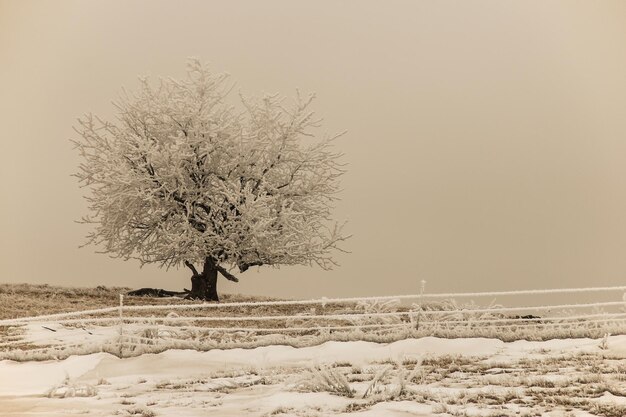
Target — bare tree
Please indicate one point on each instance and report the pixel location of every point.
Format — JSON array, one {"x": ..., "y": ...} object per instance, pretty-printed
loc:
[{"x": 182, "y": 178}]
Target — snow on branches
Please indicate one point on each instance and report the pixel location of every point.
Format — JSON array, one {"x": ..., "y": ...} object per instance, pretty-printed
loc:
[{"x": 183, "y": 176}]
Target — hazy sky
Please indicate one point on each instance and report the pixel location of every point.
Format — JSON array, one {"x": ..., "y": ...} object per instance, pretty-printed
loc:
[{"x": 486, "y": 139}]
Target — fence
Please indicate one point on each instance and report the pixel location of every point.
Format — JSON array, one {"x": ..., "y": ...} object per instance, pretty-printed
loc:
[{"x": 133, "y": 330}]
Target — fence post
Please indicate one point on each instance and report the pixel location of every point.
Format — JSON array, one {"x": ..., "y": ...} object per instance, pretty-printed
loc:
[
  {"x": 323, "y": 312},
  {"x": 121, "y": 341},
  {"x": 624, "y": 308},
  {"x": 419, "y": 303}
]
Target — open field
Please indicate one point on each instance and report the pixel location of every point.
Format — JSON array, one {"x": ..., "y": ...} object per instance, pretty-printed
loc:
[
  {"x": 413, "y": 377},
  {"x": 92, "y": 320},
  {"x": 22, "y": 300},
  {"x": 311, "y": 372}
]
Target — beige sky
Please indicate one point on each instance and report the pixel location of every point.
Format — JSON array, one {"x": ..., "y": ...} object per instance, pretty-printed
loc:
[{"x": 486, "y": 139}]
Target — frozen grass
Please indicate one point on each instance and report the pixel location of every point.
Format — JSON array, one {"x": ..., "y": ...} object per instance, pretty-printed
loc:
[
  {"x": 152, "y": 331},
  {"x": 72, "y": 390},
  {"x": 23, "y": 300},
  {"x": 324, "y": 378},
  {"x": 538, "y": 381},
  {"x": 415, "y": 377},
  {"x": 472, "y": 386},
  {"x": 26, "y": 300}
]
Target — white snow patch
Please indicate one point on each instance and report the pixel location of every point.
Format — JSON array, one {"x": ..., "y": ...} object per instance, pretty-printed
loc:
[
  {"x": 607, "y": 397},
  {"x": 44, "y": 334},
  {"x": 35, "y": 378}
]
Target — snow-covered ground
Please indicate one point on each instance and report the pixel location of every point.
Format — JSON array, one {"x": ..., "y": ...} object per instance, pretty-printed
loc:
[{"x": 413, "y": 377}]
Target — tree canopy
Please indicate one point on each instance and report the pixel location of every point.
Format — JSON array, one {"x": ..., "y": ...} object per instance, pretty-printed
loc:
[{"x": 180, "y": 176}]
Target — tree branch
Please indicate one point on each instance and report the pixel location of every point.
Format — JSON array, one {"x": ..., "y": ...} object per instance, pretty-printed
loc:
[
  {"x": 243, "y": 267},
  {"x": 193, "y": 268},
  {"x": 226, "y": 274}
]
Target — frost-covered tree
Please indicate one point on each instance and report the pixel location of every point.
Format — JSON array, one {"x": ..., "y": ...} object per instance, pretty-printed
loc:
[{"x": 182, "y": 178}]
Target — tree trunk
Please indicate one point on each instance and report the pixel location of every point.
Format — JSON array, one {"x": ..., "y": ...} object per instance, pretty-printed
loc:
[{"x": 204, "y": 285}]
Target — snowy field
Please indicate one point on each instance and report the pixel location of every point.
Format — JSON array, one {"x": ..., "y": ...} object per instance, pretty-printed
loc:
[
  {"x": 262, "y": 357},
  {"x": 413, "y": 377}
]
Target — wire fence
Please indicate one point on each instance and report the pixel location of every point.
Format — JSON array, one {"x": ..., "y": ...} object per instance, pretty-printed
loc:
[{"x": 133, "y": 330}]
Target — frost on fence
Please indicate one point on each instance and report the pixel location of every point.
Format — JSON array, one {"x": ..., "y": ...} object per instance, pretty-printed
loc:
[{"x": 132, "y": 330}]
